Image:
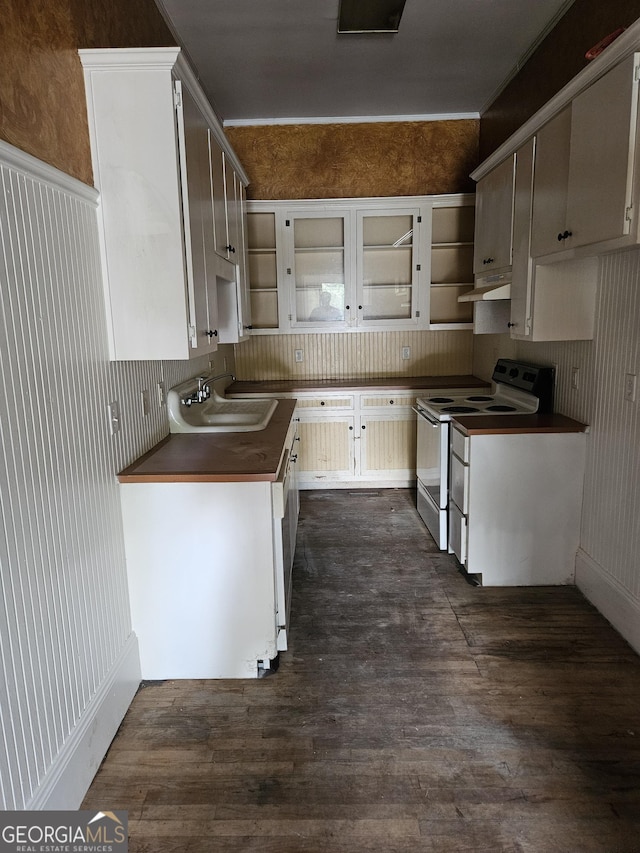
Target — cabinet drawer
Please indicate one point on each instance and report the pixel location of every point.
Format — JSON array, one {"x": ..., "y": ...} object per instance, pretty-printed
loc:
[
  {"x": 325, "y": 402},
  {"x": 460, "y": 444},
  {"x": 460, "y": 483},
  {"x": 457, "y": 534},
  {"x": 383, "y": 402}
]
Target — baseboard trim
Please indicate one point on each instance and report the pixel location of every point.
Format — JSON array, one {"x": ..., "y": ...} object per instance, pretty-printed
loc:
[
  {"x": 614, "y": 602},
  {"x": 307, "y": 485},
  {"x": 69, "y": 777}
]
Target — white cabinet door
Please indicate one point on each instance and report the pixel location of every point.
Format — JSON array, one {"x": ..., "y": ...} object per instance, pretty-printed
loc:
[
  {"x": 522, "y": 268},
  {"x": 549, "y": 212},
  {"x": 219, "y": 199},
  {"x": 386, "y": 268},
  {"x": 326, "y": 450},
  {"x": 603, "y": 132},
  {"x": 197, "y": 212},
  {"x": 494, "y": 213},
  {"x": 318, "y": 268}
]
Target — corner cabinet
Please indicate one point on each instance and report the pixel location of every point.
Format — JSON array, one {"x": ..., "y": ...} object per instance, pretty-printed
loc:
[
  {"x": 358, "y": 264},
  {"x": 171, "y": 207}
]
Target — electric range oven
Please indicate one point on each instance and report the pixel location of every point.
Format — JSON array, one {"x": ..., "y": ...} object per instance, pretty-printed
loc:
[{"x": 517, "y": 388}]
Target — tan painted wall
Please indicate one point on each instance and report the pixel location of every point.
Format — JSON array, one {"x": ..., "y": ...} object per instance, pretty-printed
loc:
[
  {"x": 42, "y": 101},
  {"x": 357, "y": 160}
]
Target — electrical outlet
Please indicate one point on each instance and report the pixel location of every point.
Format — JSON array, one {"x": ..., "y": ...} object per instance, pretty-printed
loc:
[
  {"x": 146, "y": 403},
  {"x": 161, "y": 397},
  {"x": 630, "y": 387},
  {"x": 406, "y": 352},
  {"x": 575, "y": 378},
  {"x": 298, "y": 355},
  {"x": 114, "y": 416}
]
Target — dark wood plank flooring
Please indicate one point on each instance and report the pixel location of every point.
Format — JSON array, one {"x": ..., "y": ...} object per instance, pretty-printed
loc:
[{"x": 413, "y": 712}]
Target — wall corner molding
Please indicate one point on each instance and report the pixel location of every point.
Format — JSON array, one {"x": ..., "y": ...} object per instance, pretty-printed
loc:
[
  {"x": 19, "y": 160},
  {"x": 615, "y": 603},
  {"x": 69, "y": 777}
]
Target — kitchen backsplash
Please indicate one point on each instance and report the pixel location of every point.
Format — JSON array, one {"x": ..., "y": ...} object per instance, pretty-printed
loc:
[{"x": 347, "y": 355}]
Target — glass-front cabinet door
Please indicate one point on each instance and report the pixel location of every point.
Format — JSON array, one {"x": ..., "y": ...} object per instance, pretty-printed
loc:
[
  {"x": 318, "y": 269},
  {"x": 387, "y": 267}
]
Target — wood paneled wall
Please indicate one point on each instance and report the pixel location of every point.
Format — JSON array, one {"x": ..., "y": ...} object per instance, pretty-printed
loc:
[
  {"x": 559, "y": 58},
  {"x": 357, "y": 160},
  {"x": 42, "y": 100}
]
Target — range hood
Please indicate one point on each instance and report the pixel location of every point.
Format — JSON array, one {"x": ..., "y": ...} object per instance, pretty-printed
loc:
[{"x": 489, "y": 288}]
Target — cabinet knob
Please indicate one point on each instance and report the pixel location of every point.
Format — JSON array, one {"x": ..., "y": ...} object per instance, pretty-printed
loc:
[
  {"x": 211, "y": 333},
  {"x": 563, "y": 235},
  {"x": 510, "y": 325},
  {"x": 350, "y": 427},
  {"x": 230, "y": 248},
  {"x": 359, "y": 307},
  {"x": 488, "y": 260},
  {"x": 346, "y": 307}
]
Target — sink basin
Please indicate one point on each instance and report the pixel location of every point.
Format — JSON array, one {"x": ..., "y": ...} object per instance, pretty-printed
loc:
[{"x": 217, "y": 414}]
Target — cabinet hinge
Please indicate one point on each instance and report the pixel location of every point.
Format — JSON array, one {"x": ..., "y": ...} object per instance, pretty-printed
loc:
[
  {"x": 417, "y": 313},
  {"x": 628, "y": 214},
  {"x": 177, "y": 94},
  {"x": 419, "y": 218},
  {"x": 418, "y": 267},
  {"x": 287, "y": 222},
  {"x": 636, "y": 73}
]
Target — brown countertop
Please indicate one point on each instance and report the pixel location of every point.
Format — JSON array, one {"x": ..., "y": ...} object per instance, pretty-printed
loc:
[
  {"x": 512, "y": 424},
  {"x": 229, "y": 457},
  {"x": 400, "y": 383}
]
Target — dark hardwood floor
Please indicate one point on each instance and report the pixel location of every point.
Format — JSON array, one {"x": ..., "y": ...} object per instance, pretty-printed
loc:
[{"x": 413, "y": 712}]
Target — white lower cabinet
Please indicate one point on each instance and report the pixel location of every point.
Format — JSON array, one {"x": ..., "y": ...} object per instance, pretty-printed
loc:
[
  {"x": 515, "y": 504},
  {"x": 366, "y": 437},
  {"x": 362, "y": 439},
  {"x": 209, "y": 568}
]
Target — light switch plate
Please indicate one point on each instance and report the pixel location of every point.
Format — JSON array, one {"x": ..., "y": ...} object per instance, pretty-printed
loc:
[
  {"x": 630, "y": 387},
  {"x": 114, "y": 416}
]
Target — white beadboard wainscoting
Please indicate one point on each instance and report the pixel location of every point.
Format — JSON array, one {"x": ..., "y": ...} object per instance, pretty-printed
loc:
[
  {"x": 69, "y": 659},
  {"x": 365, "y": 355},
  {"x": 608, "y": 561}
]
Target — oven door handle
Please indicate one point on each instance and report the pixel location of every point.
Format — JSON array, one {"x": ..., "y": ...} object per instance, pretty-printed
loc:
[{"x": 421, "y": 413}]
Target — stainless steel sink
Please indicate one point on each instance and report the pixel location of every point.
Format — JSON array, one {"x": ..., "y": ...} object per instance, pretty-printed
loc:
[{"x": 215, "y": 414}]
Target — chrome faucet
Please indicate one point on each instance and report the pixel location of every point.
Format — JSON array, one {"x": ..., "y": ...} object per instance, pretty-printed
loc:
[{"x": 203, "y": 391}]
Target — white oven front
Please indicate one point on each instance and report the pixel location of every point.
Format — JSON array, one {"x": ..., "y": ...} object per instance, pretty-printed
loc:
[{"x": 432, "y": 468}]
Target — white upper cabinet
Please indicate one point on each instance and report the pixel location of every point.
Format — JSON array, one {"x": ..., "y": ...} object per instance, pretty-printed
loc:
[
  {"x": 357, "y": 264},
  {"x": 494, "y": 216},
  {"x": 551, "y": 176},
  {"x": 585, "y": 183},
  {"x": 155, "y": 142},
  {"x": 603, "y": 146}
]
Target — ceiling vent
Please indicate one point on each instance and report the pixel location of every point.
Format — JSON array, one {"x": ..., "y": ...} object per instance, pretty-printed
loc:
[{"x": 370, "y": 16}]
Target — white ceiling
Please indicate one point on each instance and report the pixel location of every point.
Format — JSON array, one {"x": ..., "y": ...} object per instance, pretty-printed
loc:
[{"x": 266, "y": 60}]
